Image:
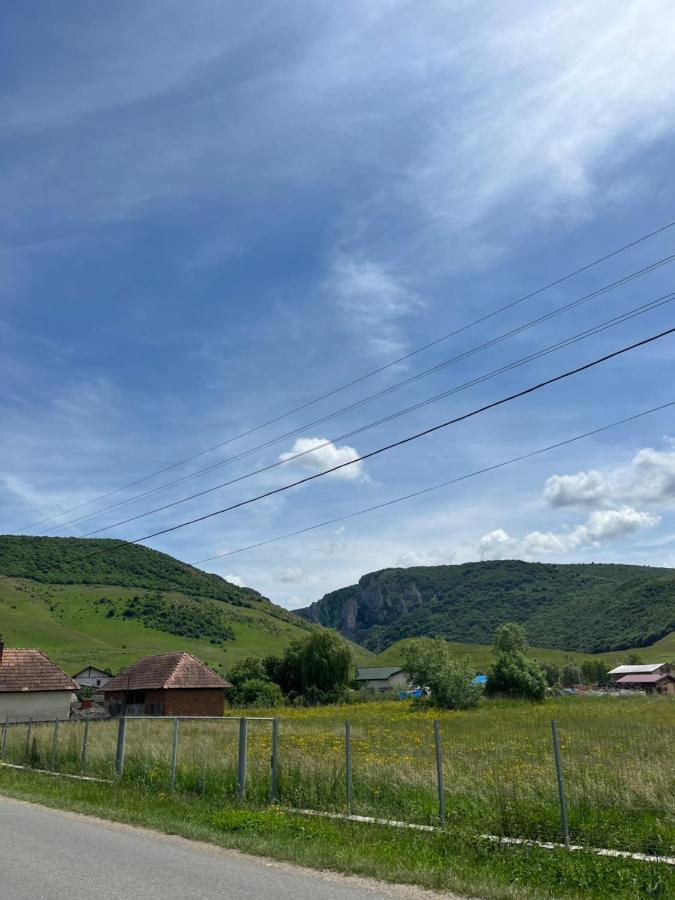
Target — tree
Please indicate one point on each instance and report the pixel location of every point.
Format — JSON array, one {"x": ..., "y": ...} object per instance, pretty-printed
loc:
[
  {"x": 322, "y": 661},
  {"x": 551, "y": 671},
  {"x": 430, "y": 664},
  {"x": 510, "y": 638},
  {"x": 513, "y": 674},
  {"x": 251, "y": 685},
  {"x": 257, "y": 692},
  {"x": 246, "y": 669},
  {"x": 570, "y": 674}
]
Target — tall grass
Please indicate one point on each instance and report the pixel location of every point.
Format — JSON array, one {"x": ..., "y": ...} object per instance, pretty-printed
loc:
[{"x": 498, "y": 764}]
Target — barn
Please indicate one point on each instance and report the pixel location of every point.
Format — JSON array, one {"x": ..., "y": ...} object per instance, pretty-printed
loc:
[{"x": 173, "y": 684}]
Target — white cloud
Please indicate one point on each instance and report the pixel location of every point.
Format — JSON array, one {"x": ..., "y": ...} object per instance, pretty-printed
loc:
[
  {"x": 293, "y": 575},
  {"x": 321, "y": 454},
  {"x": 649, "y": 478},
  {"x": 425, "y": 558},
  {"x": 235, "y": 579},
  {"x": 601, "y": 527}
]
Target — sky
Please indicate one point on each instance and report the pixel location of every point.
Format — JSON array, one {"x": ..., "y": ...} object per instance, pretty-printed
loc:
[{"x": 212, "y": 215}]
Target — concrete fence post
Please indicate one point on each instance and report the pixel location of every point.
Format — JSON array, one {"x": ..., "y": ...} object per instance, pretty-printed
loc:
[
  {"x": 241, "y": 767},
  {"x": 85, "y": 741},
  {"x": 3, "y": 743},
  {"x": 55, "y": 739},
  {"x": 348, "y": 766},
  {"x": 121, "y": 744},
  {"x": 274, "y": 762},
  {"x": 174, "y": 755},
  {"x": 439, "y": 772},
  {"x": 561, "y": 785}
]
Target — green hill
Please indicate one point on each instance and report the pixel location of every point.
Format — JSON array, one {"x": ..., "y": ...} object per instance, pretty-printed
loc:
[
  {"x": 482, "y": 655},
  {"x": 589, "y": 608},
  {"x": 83, "y": 606}
]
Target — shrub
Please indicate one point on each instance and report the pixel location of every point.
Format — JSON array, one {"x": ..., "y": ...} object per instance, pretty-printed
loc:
[{"x": 430, "y": 664}]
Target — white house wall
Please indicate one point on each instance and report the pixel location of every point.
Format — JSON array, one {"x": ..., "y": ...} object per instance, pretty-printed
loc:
[{"x": 41, "y": 706}]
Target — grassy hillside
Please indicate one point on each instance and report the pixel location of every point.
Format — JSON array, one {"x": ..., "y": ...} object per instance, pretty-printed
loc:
[
  {"x": 482, "y": 657},
  {"x": 85, "y": 607},
  {"x": 586, "y": 608}
]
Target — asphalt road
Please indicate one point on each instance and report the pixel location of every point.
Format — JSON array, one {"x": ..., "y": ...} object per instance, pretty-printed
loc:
[{"x": 51, "y": 854}]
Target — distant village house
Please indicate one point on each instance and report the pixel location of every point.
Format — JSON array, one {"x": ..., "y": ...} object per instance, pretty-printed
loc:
[
  {"x": 92, "y": 677},
  {"x": 174, "y": 684},
  {"x": 33, "y": 687},
  {"x": 653, "y": 678},
  {"x": 382, "y": 678}
]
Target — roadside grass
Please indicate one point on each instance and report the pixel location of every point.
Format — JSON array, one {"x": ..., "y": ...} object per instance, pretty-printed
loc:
[
  {"x": 498, "y": 764},
  {"x": 452, "y": 860}
]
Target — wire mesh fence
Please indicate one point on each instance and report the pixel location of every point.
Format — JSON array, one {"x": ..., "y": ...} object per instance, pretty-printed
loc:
[{"x": 459, "y": 772}]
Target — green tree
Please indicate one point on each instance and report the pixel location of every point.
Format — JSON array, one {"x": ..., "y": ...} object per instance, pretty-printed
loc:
[
  {"x": 323, "y": 660},
  {"x": 514, "y": 674},
  {"x": 570, "y": 674},
  {"x": 430, "y": 663},
  {"x": 551, "y": 671},
  {"x": 510, "y": 638},
  {"x": 246, "y": 669},
  {"x": 257, "y": 692}
]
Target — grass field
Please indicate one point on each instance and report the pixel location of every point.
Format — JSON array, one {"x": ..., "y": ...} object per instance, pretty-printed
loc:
[
  {"x": 498, "y": 764},
  {"x": 482, "y": 657}
]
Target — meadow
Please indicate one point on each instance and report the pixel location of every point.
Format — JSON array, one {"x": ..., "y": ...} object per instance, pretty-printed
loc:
[{"x": 498, "y": 765}]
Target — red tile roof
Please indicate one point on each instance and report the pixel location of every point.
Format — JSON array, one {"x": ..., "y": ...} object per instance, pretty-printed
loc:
[
  {"x": 171, "y": 670},
  {"x": 653, "y": 678},
  {"x": 30, "y": 670}
]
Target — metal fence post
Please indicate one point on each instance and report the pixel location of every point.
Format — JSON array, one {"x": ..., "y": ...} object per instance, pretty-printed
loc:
[
  {"x": 3, "y": 744},
  {"x": 274, "y": 784},
  {"x": 29, "y": 734},
  {"x": 348, "y": 765},
  {"x": 439, "y": 772},
  {"x": 174, "y": 755},
  {"x": 85, "y": 741},
  {"x": 561, "y": 785},
  {"x": 121, "y": 742},
  {"x": 55, "y": 738},
  {"x": 241, "y": 768}
]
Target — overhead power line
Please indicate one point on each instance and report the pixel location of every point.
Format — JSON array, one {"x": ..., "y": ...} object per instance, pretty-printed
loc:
[
  {"x": 444, "y": 364},
  {"x": 435, "y": 487},
  {"x": 484, "y": 318},
  {"x": 394, "y": 444},
  {"x": 579, "y": 336}
]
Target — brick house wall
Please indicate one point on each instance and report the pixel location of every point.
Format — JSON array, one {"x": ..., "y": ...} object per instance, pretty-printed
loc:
[{"x": 178, "y": 701}]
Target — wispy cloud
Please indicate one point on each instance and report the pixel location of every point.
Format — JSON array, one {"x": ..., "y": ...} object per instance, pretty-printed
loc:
[{"x": 373, "y": 302}]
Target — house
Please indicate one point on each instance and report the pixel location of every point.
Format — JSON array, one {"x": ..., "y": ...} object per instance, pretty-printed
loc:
[
  {"x": 173, "y": 684},
  {"x": 381, "y": 678},
  {"x": 92, "y": 677},
  {"x": 33, "y": 687},
  {"x": 653, "y": 678}
]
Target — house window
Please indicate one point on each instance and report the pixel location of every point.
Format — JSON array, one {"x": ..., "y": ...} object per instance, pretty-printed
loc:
[{"x": 98, "y": 682}]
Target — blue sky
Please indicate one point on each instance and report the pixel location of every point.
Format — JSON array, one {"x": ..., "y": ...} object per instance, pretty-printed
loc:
[{"x": 210, "y": 215}]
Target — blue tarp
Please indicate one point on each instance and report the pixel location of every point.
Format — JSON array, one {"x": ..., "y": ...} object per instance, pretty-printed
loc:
[{"x": 480, "y": 679}]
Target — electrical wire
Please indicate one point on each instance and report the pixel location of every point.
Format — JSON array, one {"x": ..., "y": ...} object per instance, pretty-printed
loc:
[
  {"x": 436, "y": 487},
  {"x": 484, "y": 318},
  {"x": 394, "y": 444},
  {"x": 611, "y": 323},
  {"x": 573, "y": 304}
]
